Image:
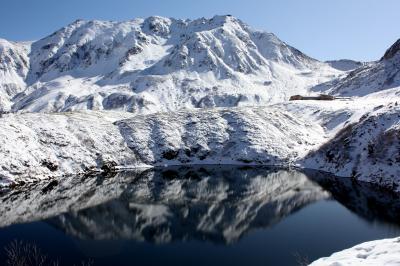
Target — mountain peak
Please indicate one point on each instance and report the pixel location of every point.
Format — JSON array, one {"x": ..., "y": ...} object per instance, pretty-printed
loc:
[{"x": 392, "y": 51}]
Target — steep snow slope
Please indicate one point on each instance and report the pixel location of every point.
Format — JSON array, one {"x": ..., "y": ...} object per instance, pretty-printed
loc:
[
  {"x": 379, "y": 252},
  {"x": 161, "y": 64},
  {"x": 374, "y": 77},
  {"x": 14, "y": 66}
]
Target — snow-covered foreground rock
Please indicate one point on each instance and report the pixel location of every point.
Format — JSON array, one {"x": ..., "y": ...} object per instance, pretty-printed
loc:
[
  {"x": 154, "y": 64},
  {"x": 384, "y": 252}
]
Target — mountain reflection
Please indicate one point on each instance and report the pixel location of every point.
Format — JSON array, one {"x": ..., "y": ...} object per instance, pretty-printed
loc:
[
  {"x": 216, "y": 204},
  {"x": 207, "y": 203}
]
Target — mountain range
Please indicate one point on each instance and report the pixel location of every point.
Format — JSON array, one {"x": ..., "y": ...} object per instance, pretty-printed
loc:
[{"x": 154, "y": 64}]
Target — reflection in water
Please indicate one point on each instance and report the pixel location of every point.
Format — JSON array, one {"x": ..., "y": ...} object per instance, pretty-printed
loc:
[
  {"x": 216, "y": 204},
  {"x": 367, "y": 200},
  {"x": 204, "y": 204}
]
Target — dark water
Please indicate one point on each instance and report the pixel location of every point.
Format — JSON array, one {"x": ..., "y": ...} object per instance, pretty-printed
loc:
[{"x": 201, "y": 215}]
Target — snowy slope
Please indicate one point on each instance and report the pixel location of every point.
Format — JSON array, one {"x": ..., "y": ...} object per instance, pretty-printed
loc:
[
  {"x": 348, "y": 138},
  {"x": 14, "y": 66},
  {"x": 374, "y": 77},
  {"x": 162, "y": 64},
  {"x": 380, "y": 252}
]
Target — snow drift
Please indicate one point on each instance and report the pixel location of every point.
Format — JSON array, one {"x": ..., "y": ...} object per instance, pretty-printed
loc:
[{"x": 379, "y": 252}]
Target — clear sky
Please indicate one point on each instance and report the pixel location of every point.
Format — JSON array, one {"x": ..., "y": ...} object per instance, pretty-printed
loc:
[{"x": 324, "y": 29}]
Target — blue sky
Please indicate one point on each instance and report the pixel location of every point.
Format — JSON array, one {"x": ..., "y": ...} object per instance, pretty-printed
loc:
[{"x": 355, "y": 29}]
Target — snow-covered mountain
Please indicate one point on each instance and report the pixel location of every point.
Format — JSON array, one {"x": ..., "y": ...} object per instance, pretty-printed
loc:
[
  {"x": 160, "y": 61},
  {"x": 157, "y": 64},
  {"x": 375, "y": 79}
]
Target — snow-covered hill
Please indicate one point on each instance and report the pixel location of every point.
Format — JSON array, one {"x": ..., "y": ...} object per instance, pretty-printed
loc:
[
  {"x": 255, "y": 135},
  {"x": 159, "y": 64},
  {"x": 71, "y": 143}
]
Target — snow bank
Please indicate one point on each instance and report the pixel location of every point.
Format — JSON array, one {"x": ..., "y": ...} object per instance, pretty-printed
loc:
[{"x": 380, "y": 252}]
